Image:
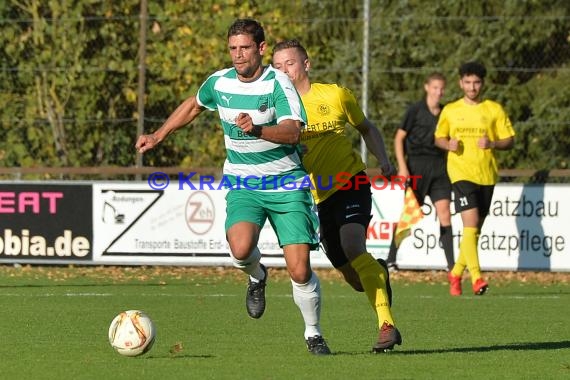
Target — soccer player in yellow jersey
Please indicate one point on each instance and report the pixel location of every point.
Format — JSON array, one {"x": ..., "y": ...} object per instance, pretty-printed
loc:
[
  {"x": 344, "y": 201},
  {"x": 471, "y": 129}
]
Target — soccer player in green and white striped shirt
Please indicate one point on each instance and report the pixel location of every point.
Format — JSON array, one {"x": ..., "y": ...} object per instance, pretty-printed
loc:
[{"x": 262, "y": 117}]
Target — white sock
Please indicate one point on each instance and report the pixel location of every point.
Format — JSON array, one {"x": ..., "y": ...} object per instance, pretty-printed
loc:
[
  {"x": 250, "y": 265},
  {"x": 307, "y": 297}
]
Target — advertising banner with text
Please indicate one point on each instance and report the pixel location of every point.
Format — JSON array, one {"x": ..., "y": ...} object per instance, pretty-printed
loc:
[
  {"x": 46, "y": 223},
  {"x": 134, "y": 223},
  {"x": 526, "y": 228}
]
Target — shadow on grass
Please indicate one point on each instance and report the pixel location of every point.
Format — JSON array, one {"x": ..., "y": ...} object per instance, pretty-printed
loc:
[
  {"x": 180, "y": 356},
  {"x": 536, "y": 346}
]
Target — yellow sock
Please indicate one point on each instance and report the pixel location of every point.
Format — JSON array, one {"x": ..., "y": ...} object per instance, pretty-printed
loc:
[
  {"x": 460, "y": 265},
  {"x": 468, "y": 247},
  {"x": 373, "y": 279}
]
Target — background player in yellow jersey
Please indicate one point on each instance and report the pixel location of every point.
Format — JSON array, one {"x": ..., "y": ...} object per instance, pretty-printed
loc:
[
  {"x": 471, "y": 129},
  {"x": 344, "y": 215}
]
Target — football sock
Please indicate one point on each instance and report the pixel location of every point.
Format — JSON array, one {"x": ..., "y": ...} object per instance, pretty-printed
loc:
[
  {"x": 373, "y": 279},
  {"x": 460, "y": 264},
  {"x": 250, "y": 265},
  {"x": 469, "y": 248},
  {"x": 446, "y": 240},
  {"x": 307, "y": 297}
]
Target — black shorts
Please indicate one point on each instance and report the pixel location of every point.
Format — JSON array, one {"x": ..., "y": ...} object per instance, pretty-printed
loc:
[
  {"x": 470, "y": 195},
  {"x": 433, "y": 182},
  {"x": 343, "y": 207}
]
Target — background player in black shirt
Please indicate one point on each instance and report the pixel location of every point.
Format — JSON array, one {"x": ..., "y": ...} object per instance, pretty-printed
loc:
[{"x": 417, "y": 155}]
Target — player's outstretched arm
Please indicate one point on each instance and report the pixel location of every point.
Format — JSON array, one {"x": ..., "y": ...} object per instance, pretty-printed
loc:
[{"x": 184, "y": 114}]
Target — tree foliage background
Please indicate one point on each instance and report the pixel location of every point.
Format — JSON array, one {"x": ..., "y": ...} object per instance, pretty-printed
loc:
[{"x": 69, "y": 70}]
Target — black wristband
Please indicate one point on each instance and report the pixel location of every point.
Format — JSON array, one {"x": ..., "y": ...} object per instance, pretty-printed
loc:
[{"x": 256, "y": 131}]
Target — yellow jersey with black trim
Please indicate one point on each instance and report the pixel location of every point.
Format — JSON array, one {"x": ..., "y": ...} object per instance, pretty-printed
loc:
[
  {"x": 330, "y": 156},
  {"x": 467, "y": 123}
]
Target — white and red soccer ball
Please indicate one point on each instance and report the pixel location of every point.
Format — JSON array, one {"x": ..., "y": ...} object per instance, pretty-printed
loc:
[{"x": 132, "y": 333}]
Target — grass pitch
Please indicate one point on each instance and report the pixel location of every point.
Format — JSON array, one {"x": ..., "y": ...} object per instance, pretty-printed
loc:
[{"x": 54, "y": 323}]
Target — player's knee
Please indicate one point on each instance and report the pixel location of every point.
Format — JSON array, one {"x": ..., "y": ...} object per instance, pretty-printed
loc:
[
  {"x": 300, "y": 278},
  {"x": 240, "y": 255},
  {"x": 244, "y": 256},
  {"x": 300, "y": 274},
  {"x": 353, "y": 244},
  {"x": 444, "y": 217}
]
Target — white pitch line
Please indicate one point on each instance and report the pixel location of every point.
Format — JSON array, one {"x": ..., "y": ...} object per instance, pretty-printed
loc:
[
  {"x": 114, "y": 294},
  {"x": 218, "y": 295},
  {"x": 45, "y": 295},
  {"x": 57, "y": 295}
]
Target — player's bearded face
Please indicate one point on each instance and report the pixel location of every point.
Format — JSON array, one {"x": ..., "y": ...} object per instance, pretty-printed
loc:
[
  {"x": 246, "y": 55},
  {"x": 471, "y": 86}
]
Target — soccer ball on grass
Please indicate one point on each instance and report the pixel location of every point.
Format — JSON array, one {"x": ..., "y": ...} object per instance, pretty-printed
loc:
[{"x": 132, "y": 333}]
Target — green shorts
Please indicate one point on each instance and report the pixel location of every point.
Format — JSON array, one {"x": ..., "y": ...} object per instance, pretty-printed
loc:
[{"x": 290, "y": 213}]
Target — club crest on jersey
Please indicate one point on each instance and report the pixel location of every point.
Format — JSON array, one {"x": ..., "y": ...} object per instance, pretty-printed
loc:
[
  {"x": 323, "y": 109},
  {"x": 263, "y": 104}
]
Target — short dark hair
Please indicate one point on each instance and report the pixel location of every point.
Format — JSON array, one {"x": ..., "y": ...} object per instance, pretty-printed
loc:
[
  {"x": 472, "y": 68},
  {"x": 247, "y": 26},
  {"x": 291, "y": 44}
]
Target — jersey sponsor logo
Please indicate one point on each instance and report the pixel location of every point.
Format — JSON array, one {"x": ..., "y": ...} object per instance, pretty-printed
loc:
[{"x": 227, "y": 100}]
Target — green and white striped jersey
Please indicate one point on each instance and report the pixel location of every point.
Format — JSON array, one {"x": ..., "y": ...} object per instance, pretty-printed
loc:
[{"x": 263, "y": 165}]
